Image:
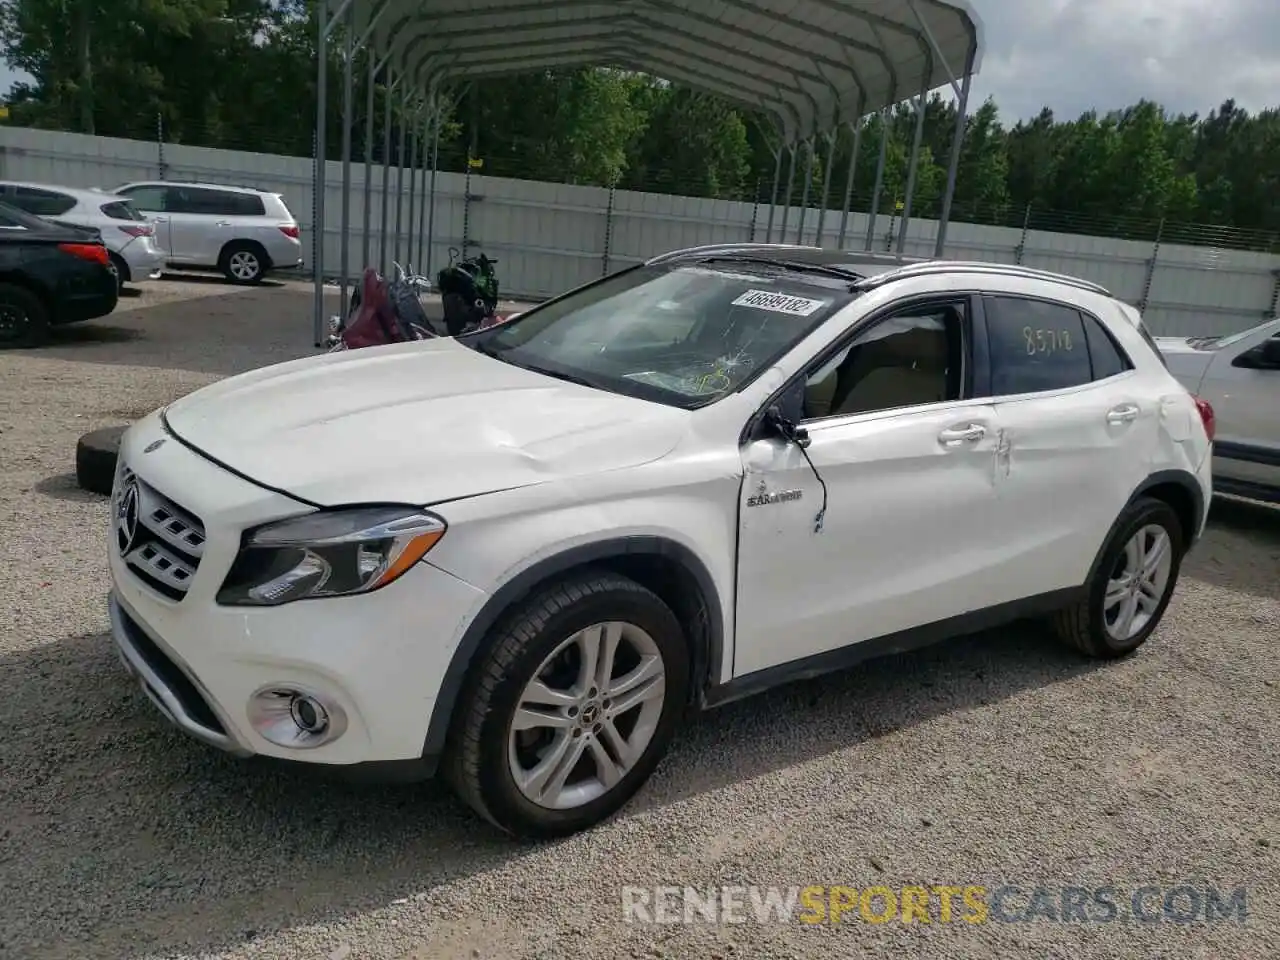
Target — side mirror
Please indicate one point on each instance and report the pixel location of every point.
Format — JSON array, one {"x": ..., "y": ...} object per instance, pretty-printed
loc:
[{"x": 786, "y": 428}]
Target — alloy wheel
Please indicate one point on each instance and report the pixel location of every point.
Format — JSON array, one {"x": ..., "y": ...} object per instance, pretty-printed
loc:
[
  {"x": 1138, "y": 583},
  {"x": 13, "y": 322},
  {"x": 587, "y": 716},
  {"x": 243, "y": 265}
]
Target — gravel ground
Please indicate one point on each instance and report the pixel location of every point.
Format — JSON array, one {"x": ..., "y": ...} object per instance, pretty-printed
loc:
[{"x": 1000, "y": 759}]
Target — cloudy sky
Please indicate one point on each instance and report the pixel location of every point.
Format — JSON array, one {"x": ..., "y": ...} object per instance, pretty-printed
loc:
[{"x": 1075, "y": 55}]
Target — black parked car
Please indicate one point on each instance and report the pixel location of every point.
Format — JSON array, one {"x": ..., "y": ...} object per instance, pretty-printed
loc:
[{"x": 50, "y": 273}]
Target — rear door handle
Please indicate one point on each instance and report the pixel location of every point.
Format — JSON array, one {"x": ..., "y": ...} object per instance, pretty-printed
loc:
[
  {"x": 222, "y": 223},
  {"x": 159, "y": 219},
  {"x": 964, "y": 433},
  {"x": 1124, "y": 413}
]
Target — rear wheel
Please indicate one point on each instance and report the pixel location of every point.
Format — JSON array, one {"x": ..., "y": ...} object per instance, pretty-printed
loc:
[
  {"x": 571, "y": 708},
  {"x": 24, "y": 319},
  {"x": 1132, "y": 586},
  {"x": 242, "y": 262},
  {"x": 122, "y": 271}
]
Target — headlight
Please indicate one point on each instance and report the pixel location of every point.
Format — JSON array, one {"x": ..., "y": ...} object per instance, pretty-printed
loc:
[{"x": 329, "y": 554}]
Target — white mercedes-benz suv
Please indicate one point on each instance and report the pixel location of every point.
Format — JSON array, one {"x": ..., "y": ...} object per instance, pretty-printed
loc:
[{"x": 522, "y": 557}]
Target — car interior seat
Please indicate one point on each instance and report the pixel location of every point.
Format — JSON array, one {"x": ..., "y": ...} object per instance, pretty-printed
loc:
[{"x": 900, "y": 370}]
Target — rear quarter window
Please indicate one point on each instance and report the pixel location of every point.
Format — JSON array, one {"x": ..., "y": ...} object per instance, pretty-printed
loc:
[
  {"x": 121, "y": 210},
  {"x": 1107, "y": 357}
]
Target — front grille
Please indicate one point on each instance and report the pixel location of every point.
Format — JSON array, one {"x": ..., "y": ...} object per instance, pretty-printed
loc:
[{"x": 159, "y": 541}]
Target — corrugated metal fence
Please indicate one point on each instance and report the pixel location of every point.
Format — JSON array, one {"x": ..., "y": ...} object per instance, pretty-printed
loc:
[{"x": 551, "y": 237}]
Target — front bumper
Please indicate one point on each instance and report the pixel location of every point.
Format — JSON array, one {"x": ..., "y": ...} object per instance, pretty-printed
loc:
[{"x": 379, "y": 659}]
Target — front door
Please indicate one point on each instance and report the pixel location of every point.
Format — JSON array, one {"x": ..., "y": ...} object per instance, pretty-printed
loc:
[
  {"x": 152, "y": 201},
  {"x": 905, "y": 468}
]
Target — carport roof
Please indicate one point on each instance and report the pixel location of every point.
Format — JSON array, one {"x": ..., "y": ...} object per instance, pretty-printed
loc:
[{"x": 810, "y": 64}]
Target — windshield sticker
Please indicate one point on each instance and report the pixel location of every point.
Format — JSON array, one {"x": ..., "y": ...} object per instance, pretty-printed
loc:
[{"x": 779, "y": 303}]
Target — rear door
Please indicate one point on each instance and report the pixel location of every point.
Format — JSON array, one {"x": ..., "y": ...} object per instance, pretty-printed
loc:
[{"x": 1076, "y": 437}]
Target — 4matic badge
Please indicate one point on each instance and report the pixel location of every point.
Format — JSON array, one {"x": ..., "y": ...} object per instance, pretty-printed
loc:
[{"x": 763, "y": 497}]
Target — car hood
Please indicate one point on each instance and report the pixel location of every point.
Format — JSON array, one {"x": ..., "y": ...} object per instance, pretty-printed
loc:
[{"x": 415, "y": 423}]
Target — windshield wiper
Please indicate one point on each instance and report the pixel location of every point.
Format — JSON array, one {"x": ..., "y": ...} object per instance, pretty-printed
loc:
[{"x": 797, "y": 265}]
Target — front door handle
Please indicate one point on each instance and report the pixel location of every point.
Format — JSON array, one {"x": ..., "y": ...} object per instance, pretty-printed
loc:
[
  {"x": 222, "y": 223},
  {"x": 964, "y": 433},
  {"x": 1124, "y": 413}
]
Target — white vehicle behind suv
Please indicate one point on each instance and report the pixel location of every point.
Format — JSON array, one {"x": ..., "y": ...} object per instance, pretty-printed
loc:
[
  {"x": 521, "y": 556},
  {"x": 242, "y": 232},
  {"x": 1240, "y": 376},
  {"x": 129, "y": 237}
]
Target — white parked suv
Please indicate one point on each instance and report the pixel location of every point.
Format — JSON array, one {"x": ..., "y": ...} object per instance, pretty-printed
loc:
[
  {"x": 242, "y": 232},
  {"x": 129, "y": 237},
  {"x": 1239, "y": 375},
  {"x": 524, "y": 555}
]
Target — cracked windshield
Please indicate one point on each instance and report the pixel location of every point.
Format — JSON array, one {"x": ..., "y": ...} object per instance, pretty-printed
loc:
[{"x": 685, "y": 337}]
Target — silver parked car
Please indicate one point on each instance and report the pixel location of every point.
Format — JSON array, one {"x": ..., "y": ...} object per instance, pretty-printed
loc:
[
  {"x": 240, "y": 231},
  {"x": 129, "y": 237},
  {"x": 1240, "y": 377}
]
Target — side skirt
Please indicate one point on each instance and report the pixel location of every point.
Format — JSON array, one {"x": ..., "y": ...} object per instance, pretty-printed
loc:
[{"x": 894, "y": 643}]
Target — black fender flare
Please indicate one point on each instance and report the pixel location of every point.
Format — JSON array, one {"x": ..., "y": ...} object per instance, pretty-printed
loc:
[
  {"x": 708, "y": 654},
  {"x": 1182, "y": 478}
]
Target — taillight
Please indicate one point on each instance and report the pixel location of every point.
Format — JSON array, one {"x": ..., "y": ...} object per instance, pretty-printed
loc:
[
  {"x": 1207, "y": 417},
  {"x": 94, "y": 252},
  {"x": 290, "y": 231},
  {"x": 139, "y": 229}
]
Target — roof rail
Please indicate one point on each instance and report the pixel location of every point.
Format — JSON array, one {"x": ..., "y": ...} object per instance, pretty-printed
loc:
[
  {"x": 932, "y": 267},
  {"x": 714, "y": 248}
]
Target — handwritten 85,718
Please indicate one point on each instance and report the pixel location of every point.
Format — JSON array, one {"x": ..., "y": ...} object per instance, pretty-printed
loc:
[{"x": 1046, "y": 341}]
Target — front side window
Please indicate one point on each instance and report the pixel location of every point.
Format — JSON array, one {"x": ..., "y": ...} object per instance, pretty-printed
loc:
[
  {"x": 910, "y": 358},
  {"x": 685, "y": 336},
  {"x": 1035, "y": 346},
  {"x": 152, "y": 199}
]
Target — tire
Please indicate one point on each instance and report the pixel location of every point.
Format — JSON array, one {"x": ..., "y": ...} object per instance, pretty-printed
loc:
[
  {"x": 24, "y": 319},
  {"x": 482, "y": 747},
  {"x": 96, "y": 455},
  {"x": 122, "y": 272},
  {"x": 1088, "y": 626},
  {"x": 243, "y": 263}
]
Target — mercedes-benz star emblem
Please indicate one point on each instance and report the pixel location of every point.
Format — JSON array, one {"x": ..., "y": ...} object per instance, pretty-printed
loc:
[{"x": 127, "y": 517}]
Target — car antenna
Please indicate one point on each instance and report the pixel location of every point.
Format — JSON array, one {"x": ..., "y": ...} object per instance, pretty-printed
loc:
[{"x": 794, "y": 433}]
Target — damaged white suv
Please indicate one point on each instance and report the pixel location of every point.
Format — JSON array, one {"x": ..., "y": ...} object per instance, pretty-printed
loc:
[{"x": 524, "y": 556}]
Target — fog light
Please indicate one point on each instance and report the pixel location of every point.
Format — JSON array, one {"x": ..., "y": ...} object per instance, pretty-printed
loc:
[{"x": 296, "y": 718}]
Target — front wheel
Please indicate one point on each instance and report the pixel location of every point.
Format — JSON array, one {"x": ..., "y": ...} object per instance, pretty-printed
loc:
[
  {"x": 1132, "y": 584},
  {"x": 571, "y": 708}
]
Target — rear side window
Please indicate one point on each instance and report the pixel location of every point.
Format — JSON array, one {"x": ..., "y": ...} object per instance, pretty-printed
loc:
[
  {"x": 121, "y": 210},
  {"x": 1035, "y": 346},
  {"x": 40, "y": 203},
  {"x": 221, "y": 203}
]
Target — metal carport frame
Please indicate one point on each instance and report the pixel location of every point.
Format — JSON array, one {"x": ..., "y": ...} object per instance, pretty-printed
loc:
[{"x": 810, "y": 66}]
